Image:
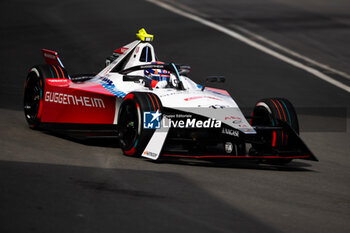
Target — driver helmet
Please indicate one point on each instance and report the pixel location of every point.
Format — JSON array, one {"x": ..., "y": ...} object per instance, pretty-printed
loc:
[{"x": 157, "y": 74}]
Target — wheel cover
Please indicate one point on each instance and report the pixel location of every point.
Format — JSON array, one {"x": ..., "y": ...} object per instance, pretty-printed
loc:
[
  {"x": 128, "y": 126},
  {"x": 32, "y": 94}
]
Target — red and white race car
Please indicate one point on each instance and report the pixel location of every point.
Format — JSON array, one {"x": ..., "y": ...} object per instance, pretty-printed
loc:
[{"x": 155, "y": 110}]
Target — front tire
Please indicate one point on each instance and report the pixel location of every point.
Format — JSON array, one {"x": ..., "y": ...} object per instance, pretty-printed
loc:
[
  {"x": 133, "y": 137},
  {"x": 274, "y": 112}
]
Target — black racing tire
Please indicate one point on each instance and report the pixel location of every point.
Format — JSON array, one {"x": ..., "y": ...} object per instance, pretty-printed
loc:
[
  {"x": 133, "y": 137},
  {"x": 272, "y": 112},
  {"x": 34, "y": 86}
]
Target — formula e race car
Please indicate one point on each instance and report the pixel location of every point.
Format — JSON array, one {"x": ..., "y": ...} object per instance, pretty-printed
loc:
[{"x": 155, "y": 110}]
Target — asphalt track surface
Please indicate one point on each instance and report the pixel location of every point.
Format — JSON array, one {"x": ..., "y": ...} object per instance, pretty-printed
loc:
[
  {"x": 319, "y": 29},
  {"x": 53, "y": 184}
]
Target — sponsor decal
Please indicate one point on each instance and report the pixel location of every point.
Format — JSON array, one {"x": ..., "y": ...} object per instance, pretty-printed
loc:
[
  {"x": 50, "y": 56},
  {"x": 236, "y": 120},
  {"x": 248, "y": 130},
  {"x": 150, "y": 154},
  {"x": 200, "y": 97},
  {"x": 121, "y": 50},
  {"x": 228, "y": 147},
  {"x": 108, "y": 85},
  {"x": 60, "y": 98},
  {"x": 231, "y": 132},
  {"x": 170, "y": 93},
  {"x": 216, "y": 106},
  {"x": 153, "y": 120},
  {"x": 152, "y": 66},
  {"x": 107, "y": 81},
  {"x": 192, "y": 123},
  {"x": 58, "y": 80},
  {"x": 217, "y": 91},
  {"x": 179, "y": 115}
]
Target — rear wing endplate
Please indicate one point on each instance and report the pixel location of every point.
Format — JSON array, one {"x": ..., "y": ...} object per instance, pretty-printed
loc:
[{"x": 51, "y": 57}]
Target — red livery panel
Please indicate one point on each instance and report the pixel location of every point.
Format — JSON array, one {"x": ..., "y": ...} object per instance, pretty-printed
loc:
[{"x": 66, "y": 102}]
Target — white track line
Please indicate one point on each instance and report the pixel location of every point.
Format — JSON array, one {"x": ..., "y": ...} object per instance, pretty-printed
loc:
[
  {"x": 290, "y": 52},
  {"x": 254, "y": 44}
]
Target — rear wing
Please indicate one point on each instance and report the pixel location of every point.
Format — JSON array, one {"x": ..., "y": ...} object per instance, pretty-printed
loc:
[{"x": 51, "y": 57}]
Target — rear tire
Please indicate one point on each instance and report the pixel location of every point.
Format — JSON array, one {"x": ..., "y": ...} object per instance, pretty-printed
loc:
[
  {"x": 272, "y": 112},
  {"x": 133, "y": 137},
  {"x": 34, "y": 91}
]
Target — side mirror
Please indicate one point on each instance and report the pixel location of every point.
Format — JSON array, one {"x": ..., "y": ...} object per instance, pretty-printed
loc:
[
  {"x": 215, "y": 79},
  {"x": 183, "y": 69}
]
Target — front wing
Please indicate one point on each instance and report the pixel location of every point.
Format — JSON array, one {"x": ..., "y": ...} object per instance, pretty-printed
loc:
[{"x": 224, "y": 142}]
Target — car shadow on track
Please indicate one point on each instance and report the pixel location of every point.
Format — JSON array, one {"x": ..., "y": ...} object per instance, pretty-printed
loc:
[
  {"x": 54, "y": 198},
  {"x": 294, "y": 166},
  {"x": 110, "y": 142}
]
